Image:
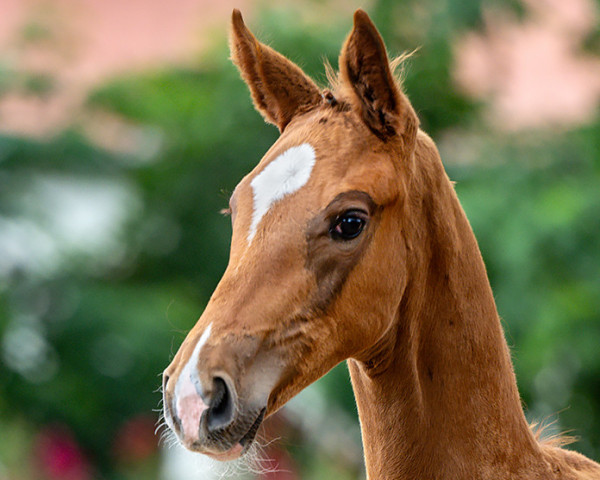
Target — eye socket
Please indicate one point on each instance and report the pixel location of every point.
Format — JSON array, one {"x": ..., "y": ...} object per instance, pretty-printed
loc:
[{"x": 348, "y": 225}]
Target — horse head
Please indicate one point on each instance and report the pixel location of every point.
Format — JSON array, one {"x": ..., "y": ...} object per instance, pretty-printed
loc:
[{"x": 313, "y": 224}]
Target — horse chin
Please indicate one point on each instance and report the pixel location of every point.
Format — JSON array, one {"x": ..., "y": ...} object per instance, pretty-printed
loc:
[
  {"x": 247, "y": 440},
  {"x": 233, "y": 453},
  {"x": 231, "y": 443}
]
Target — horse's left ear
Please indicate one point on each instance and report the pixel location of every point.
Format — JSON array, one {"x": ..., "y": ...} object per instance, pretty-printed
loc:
[
  {"x": 365, "y": 67},
  {"x": 279, "y": 88}
]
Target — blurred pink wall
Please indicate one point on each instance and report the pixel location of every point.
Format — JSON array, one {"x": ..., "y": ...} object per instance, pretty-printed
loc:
[
  {"x": 79, "y": 43},
  {"x": 534, "y": 72}
]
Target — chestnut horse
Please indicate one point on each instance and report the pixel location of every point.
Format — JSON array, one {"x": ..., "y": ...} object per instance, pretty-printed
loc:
[{"x": 349, "y": 243}]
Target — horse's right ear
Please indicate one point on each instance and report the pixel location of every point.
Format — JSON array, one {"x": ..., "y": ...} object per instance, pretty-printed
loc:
[
  {"x": 280, "y": 89},
  {"x": 365, "y": 68}
]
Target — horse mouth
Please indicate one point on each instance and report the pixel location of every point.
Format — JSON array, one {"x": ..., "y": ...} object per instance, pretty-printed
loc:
[
  {"x": 240, "y": 447},
  {"x": 248, "y": 438}
]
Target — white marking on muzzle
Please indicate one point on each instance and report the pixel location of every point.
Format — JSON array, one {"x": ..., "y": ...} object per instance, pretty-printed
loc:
[
  {"x": 188, "y": 390},
  {"x": 286, "y": 174}
]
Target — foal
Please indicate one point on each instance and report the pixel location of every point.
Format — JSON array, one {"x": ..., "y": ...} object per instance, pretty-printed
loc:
[{"x": 349, "y": 243}]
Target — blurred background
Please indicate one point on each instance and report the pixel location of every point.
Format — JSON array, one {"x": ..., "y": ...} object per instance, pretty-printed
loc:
[{"x": 123, "y": 129}]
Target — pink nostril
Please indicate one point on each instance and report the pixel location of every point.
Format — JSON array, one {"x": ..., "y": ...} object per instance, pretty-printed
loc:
[
  {"x": 189, "y": 407},
  {"x": 190, "y": 410}
]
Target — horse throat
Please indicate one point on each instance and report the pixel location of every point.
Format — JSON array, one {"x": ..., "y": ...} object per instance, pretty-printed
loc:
[{"x": 438, "y": 397}]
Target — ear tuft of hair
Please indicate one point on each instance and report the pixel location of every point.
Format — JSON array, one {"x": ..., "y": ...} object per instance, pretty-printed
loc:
[{"x": 366, "y": 69}]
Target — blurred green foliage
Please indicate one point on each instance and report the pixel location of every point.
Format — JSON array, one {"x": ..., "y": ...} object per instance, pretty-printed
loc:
[
  {"x": 534, "y": 206},
  {"x": 105, "y": 321}
]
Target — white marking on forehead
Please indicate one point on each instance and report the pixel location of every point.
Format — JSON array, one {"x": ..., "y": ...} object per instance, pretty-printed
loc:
[
  {"x": 190, "y": 371},
  {"x": 285, "y": 175}
]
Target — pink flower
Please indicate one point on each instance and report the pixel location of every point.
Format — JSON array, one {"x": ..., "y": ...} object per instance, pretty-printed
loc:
[{"x": 59, "y": 456}]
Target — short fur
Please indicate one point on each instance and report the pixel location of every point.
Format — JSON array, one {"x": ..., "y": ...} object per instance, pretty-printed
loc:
[{"x": 408, "y": 302}]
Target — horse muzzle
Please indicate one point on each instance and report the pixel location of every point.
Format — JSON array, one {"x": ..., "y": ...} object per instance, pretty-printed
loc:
[
  {"x": 210, "y": 419},
  {"x": 216, "y": 392}
]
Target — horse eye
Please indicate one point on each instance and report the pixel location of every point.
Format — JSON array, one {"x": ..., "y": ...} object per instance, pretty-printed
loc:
[{"x": 347, "y": 226}]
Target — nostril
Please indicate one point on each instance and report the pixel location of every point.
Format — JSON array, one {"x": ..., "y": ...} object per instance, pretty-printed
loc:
[
  {"x": 165, "y": 382},
  {"x": 221, "y": 409}
]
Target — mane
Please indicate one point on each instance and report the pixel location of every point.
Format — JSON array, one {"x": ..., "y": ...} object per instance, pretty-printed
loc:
[
  {"x": 546, "y": 436},
  {"x": 398, "y": 66}
]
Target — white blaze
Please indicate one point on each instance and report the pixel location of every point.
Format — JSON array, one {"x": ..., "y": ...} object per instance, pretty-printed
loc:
[
  {"x": 188, "y": 383},
  {"x": 285, "y": 175}
]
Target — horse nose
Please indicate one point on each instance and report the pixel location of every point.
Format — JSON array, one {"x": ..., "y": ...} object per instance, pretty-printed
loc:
[
  {"x": 193, "y": 401},
  {"x": 221, "y": 410}
]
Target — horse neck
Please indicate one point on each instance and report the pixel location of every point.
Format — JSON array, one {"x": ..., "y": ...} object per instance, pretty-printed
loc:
[{"x": 437, "y": 396}]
